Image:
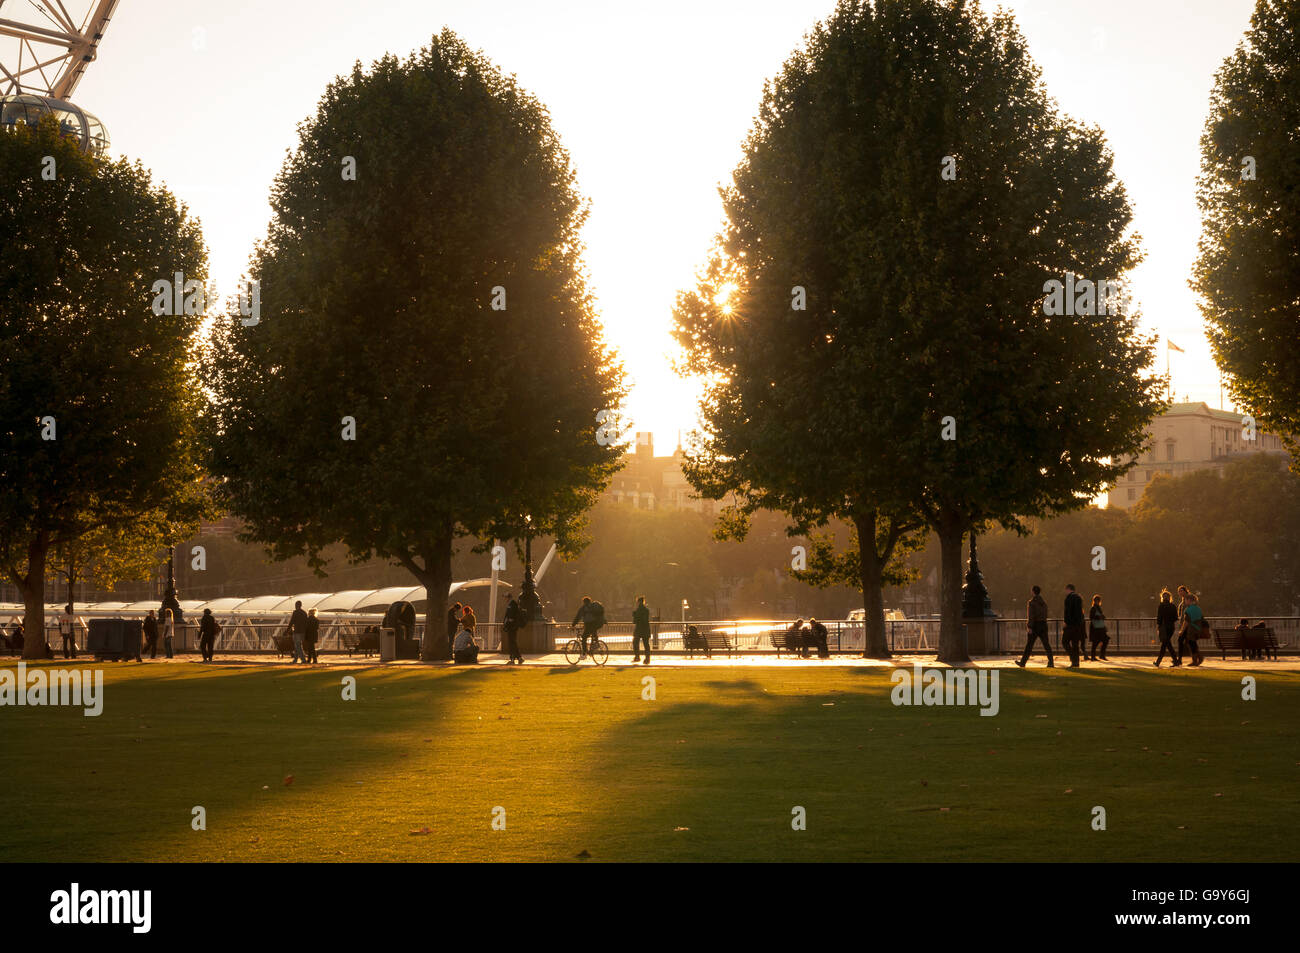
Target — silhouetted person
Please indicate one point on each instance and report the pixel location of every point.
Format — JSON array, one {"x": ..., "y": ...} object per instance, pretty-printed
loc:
[
  {"x": 511, "y": 623},
  {"x": 640, "y": 630},
  {"x": 297, "y": 629},
  {"x": 168, "y": 631},
  {"x": 1072, "y": 634},
  {"x": 310, "y": 634},
  {"x": 208, "y": 629},
  {"x": 453, "y": 625},
  {"x": 150, "y": 628},
  {"x": 67, "y": 632},
  {"x": 591, "y": 616},
  {"x": 1183, "y": 594},
  {"x": 817, "y": 635},
  {"x": 1036, "y": 613},
  {"x": 1097, "y": 630},
  {"x": 1166, "y": 623},
  {"x": 794, "y": 641},
  {"x": 16, "y": 639}
]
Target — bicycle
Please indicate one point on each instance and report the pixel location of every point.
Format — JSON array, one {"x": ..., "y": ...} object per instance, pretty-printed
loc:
[{"x": 575, "y": 651}]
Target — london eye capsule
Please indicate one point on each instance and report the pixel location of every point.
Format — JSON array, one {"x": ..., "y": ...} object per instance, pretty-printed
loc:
[{"x": 74, "y": 122}]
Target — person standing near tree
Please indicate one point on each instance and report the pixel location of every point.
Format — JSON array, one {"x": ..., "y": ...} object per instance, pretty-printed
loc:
[
  {"x": 453, "y": 625},
  {"x": 1097, "y": 629},
  {"x": 640, "y": 630},
  {"x": 66, "y": 632},
  {"x": 1036, "y": 614},
  {"x": 1184, "y": 597},
  {"x": 1072, "y": 635},
  {"x": 168, "y": 631},
  {"x": 1166, "y": 623},
  {"x": 511, "y": 624}
]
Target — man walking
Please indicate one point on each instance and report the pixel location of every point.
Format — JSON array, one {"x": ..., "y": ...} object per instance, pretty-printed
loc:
[
  {"x": 1166, "y": 622},
  {"x": 66, "y": 631},
  {"x": 511, "y": 624},
  {"x": 297, "y": 629},
  {"x": 1184, "y": 597},
  {"x": 208, "y": 629},
  {"x": 640, "y": 630},
  {"x": 1036, "y": 613},
  {"x": 1074, "y": 625}
]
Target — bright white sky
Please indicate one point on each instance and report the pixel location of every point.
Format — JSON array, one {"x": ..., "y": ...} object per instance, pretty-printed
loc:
[{"x": 652, "y": 101}]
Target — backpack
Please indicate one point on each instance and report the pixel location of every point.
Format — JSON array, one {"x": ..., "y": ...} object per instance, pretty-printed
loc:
[{"x": 596, "y": 615}]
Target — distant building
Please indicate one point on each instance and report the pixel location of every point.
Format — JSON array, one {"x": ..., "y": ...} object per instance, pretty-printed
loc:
[
  {"x": 1189, "y": 437},
  {"x": 655, "y": 483},
  {"x": 226, "y": 527}
]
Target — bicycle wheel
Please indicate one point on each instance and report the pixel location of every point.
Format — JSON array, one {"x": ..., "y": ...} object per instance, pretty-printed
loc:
[
  {"x": 573, "y": 651},
  {"x": 599, "y": 652}
]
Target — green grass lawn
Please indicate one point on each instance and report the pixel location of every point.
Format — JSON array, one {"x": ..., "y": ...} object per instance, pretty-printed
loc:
[{"x": 1186, "y": 770}]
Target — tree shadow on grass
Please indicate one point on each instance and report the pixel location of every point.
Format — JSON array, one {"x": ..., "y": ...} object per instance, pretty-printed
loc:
[{"x": 292, "y": 739}]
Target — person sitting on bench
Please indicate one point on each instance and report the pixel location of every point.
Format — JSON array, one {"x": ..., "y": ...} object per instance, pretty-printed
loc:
[{"x": 465, "y": 650}]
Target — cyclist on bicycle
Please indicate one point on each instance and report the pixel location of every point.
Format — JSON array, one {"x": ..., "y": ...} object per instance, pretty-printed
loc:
[{"x": 591, "y": 615}]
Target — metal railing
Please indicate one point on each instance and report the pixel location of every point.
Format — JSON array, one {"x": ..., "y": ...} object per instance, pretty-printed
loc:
[{"x": 1128, "y": 636}]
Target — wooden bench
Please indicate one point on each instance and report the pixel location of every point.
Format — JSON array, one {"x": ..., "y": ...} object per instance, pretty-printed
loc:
[
  {"x": 795, "y": 644},
  {"x": 706, "y": 642},
  {"x": 367, "y": 642},
  {"x": 1262, "y": 640}
]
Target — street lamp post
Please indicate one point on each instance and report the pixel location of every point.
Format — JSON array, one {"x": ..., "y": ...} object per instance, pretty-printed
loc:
[
  {"x": 976, "y": 607},
  {"x": 169, "y": 596},
  {"x": 529, "y": 601}
]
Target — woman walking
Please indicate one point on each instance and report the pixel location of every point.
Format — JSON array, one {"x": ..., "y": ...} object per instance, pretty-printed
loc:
[
  {"x": 1194, "y": 627},
  {"x": 1097, "y": 629},
  {"x": 1166, "y": 621}
]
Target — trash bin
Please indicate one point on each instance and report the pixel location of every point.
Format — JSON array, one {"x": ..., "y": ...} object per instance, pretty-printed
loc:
[{"x": 387, "y": 644}]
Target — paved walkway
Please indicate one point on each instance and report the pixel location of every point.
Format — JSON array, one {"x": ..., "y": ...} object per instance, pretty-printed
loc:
[{"x": 1140, "y": 662}]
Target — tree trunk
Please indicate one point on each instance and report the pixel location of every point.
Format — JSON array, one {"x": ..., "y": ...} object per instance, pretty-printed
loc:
[
  {"x": 873, "y": 599},
  {"x": 33, "y": 587},
  {"x": 436, "y": 580},
  {"x": 952, "y": 647}
]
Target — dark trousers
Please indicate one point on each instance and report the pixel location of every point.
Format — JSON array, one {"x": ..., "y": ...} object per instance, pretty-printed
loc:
[
  {"x": 1037, "y": 630},
  {"x": 167, "y": 645},
  {"x": 589, "y": 639},
  {"x": 151, "y": 643},
  {"x": 205, "y": 647},
  {"x": 1099, "y": 637},
  {"x": 1166, "y": 646},
  {"x": 637, "y": 641},
  {"x": 1072, "y": 640},
  {"x": 309, "y": 650},
  {"x": 467, "y": 656},
  {"x": 1182, "y": 650},
  {"x": 69, "y": 646},
  {"x": 512, "y": 644}
]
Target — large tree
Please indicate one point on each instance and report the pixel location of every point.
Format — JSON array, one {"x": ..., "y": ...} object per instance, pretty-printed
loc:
[
  {"x": 908, "y": 173},
  {"x": 422, "y": 278},
  {"x": 97, "y": 396},
  {"x": 1248, "y": 272}
]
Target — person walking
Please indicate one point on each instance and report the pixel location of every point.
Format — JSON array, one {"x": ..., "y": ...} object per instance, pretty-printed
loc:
[
  {"x": 66, "y": 631},
  {"x": 150, "y": 627},
  {"x": 310, "y": 634},
  {"x": 208, "y": 629},
  {"x": 1195, "y": 625},
  {"x": 1036, "y": 614},
  {"x": 1097, "y": 630},
  {"x": 640, "y": 630},
  {"x": 168, "y": 632},
  {"x": 297, "y": 629},
  {"x": 1183, "y": 594},
  {"x": 1166, "y": 621},
  {"x": 511, "y": 623},
  {"x": 1072, "y": 635}
]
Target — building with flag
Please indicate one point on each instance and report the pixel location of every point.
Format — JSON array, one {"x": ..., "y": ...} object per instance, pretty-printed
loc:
[{"x": 1190, "y": 437}]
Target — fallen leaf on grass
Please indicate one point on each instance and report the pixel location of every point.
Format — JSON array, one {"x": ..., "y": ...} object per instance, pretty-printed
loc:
[
  {"x": 945, "y": 809},
  {"x": 1040, "y": 716},
  {"x": 681, "y": 828},
  {"x": 288, "y": 780},
  {"x": 421, "y": 830},
  {"x": 1069, "y": 790}
]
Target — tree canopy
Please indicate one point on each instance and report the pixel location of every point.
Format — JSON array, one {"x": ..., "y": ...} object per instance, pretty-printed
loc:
[
  {"x": 1248, "y": 269},
  {"x": 97, "y": 393},
  {"x": 872, "y": 324},
  {"x": 427, "y": 362}
]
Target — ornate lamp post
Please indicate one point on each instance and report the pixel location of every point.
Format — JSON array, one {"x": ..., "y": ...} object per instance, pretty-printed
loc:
[
  {"x": 169, "y": 596},
  {"x": 977, "y": 609},
  {"x": 529, "y": 601}
]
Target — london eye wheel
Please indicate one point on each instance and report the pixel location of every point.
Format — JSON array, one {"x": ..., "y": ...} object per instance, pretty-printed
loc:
[{"x": 45, "y": 48}]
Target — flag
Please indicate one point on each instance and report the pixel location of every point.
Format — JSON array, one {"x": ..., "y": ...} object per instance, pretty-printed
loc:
[{"x": 1174, "y": 347}]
